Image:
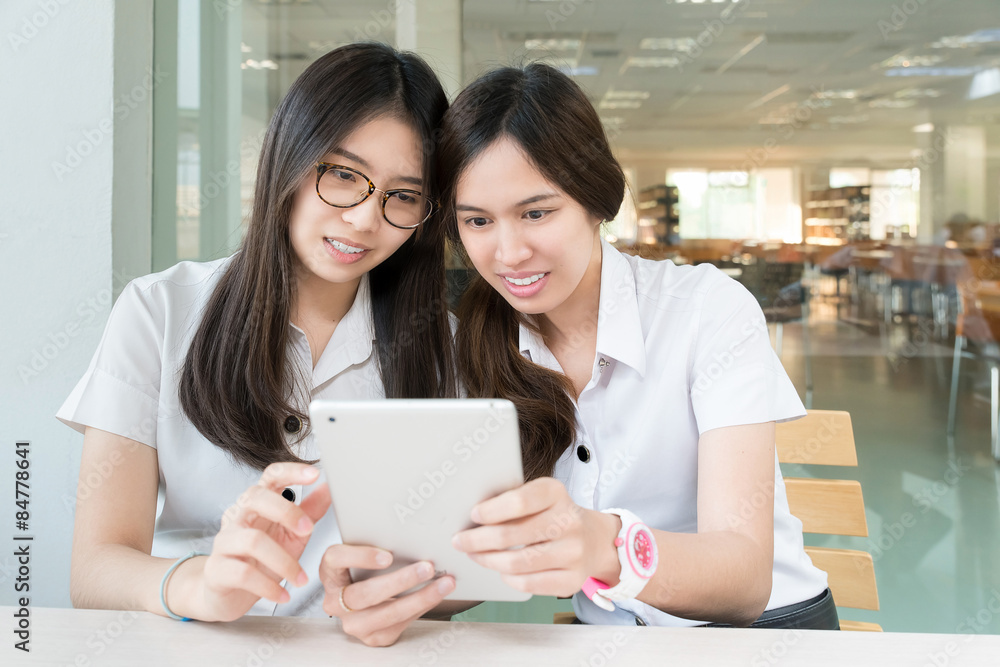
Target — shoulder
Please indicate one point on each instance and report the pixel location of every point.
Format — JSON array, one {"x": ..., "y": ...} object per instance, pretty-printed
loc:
[
  {"x": 670, "y": 287},
  {"x": 183, "y": 276},
  {"x": 184, "y": 285}
]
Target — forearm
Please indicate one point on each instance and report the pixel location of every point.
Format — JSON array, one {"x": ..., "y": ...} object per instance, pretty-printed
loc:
[
  {"x": 721, "y": 577},
  {"x": 116, "y": 576}
]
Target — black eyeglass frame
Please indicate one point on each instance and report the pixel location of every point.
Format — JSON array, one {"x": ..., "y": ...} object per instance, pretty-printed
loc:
[{"x": 323, "y": 167}]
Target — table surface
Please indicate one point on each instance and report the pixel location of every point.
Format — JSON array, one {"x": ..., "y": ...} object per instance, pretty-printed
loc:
[{"x": 98, "y": 637}]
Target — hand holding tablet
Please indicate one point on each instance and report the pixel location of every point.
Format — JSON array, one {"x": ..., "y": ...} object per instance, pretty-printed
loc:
[{"x": 404, "y": 476}]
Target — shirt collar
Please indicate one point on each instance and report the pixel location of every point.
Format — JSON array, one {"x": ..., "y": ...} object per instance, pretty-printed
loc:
[
  {"x": 352, "y": 340},
  {"x": 619, "y": 329}
]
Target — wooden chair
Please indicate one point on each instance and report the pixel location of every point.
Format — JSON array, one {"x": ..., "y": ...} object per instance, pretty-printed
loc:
[{"x": 830, "y": 507}]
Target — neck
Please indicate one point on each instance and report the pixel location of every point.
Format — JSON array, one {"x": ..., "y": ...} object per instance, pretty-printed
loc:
[
  {"x": 319, "y": 302},
  {"x": 574, "y": 321}
]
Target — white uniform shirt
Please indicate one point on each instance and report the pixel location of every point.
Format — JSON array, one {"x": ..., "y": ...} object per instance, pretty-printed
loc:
[
  {"x": 131, "y": 389},
  {"x": 680, "y": 350}
]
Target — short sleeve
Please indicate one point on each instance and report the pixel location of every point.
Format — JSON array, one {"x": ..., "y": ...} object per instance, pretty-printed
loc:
[
  {"x": 736, "y": 378},
  {"x": 120, "y": 391}
]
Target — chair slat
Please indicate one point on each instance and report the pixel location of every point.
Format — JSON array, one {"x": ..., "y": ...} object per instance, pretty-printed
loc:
[
  {"x": 851, "y": 576},
  {"x": 827, "y": 506},
  {"x": 823, "y": 437}
]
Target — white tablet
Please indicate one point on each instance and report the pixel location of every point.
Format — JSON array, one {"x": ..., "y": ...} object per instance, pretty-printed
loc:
[{"x": 405, "y": 474}]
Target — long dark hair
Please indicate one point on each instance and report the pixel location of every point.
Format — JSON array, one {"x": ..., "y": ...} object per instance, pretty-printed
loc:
[
  {"x": 545, "y": 113},
  {"x": 236, "y": 387}
]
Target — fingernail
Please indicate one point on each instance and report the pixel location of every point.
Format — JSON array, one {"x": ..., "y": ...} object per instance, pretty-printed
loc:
[
  {"x": 425, "y": 570},
  {"x": 445, "y": 585},
  {"x": 475, "y": 515},
  {"x": 305, "y": 525},
  {"x": 285, "y": 597},
  {"x": 383, "y": 558},
  {"x": 455, "y": 541},
  {"x": 310, "y": 472},
  {"x": 302, "y": 579}
]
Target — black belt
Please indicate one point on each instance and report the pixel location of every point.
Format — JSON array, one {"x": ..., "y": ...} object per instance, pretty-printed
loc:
[{"x": 818, "y": 613}]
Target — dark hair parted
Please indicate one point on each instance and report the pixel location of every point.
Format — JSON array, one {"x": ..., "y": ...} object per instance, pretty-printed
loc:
[
  {"x": 550, "y": 118},
  {"x": 236, "y": 385}
]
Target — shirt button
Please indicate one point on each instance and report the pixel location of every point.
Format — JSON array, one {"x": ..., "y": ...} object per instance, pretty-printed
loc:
[
  {"x": 289, "y": 495},
  {"x": 293, "y": 424},
  {"x": 583, "y": 453}
]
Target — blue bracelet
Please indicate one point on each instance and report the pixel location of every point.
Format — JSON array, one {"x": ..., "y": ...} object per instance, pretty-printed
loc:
[{"x": 163, "y": 585}]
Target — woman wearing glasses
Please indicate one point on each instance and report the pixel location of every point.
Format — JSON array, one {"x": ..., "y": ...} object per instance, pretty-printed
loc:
[
  {"x": 200, "y": 386},
  {"x": 647, "y": 392}
]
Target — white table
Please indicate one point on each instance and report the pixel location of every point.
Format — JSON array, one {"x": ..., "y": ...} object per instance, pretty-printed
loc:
[{"x": 97, "y": 637}]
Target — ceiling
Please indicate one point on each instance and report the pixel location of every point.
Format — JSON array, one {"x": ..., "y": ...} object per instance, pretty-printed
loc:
[{"x": 813, "y": 80}]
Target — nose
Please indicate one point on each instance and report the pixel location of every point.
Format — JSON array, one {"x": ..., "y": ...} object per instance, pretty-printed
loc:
[
  {"x": 366, "y": 216},
  {"x": 511, "y": 247}
]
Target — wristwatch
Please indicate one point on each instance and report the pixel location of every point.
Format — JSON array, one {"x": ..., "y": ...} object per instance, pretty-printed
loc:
[{"x": 638, "y": 557}]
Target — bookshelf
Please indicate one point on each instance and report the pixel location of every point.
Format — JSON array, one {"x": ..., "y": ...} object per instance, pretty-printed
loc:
[
  {"x": 658, "y": 214},
  {"x": 838, "y": 215}
]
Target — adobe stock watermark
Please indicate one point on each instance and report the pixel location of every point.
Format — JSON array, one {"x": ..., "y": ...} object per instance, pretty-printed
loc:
[
  {"x": 725, "y": 360},
  {"x": 978, "y": 623},
  {"x": 99, "y": 641},
  {"x": 930, "y": 495},
  {"x": 434, "y": 480},
  {"x": 431, "y": 650},
  {"x": 53, "y": 344},
  {"x": 713, "y": 31},
  {"x": 605, "y": 651},
  {"x": 95, "y": 136},
  {"x": 31, "y": 25},
  {"x": 899, "y": 17},
  {"x": 771, "y": 655}
]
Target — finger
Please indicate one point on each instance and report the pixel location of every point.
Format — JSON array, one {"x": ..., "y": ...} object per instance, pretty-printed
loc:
[
  {"x": 542, "y": 527},
  {"x": 386, "y": 636},
  {"x": 557, "y": 583},
  {"x": 338, "y": 558},
  {"x": 258, "y": 545},
  {"x": 411, "y": 607},
  {"x": 316, "y": 503},
  {"x": 374, "y": 591},
  {"x": 236, "y": 574},
  {"x": 535, "y": 558},
  {"x": 399, "y": 611},
  {"x": 285, "y": 473},
  {"x": 530, "y": 498},
  {"x": 258, "y": 501}
]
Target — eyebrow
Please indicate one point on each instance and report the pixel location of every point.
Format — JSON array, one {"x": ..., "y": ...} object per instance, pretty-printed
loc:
[
  {"x": 412, "y": 180},
  {"x": 523, "y": 202}
]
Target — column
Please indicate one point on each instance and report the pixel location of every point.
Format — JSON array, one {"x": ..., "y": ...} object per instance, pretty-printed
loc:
[{"x": 433, "y": 28}]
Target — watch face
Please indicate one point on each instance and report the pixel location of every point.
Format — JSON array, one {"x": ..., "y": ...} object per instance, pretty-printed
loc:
[{"x": 642, "y": 551}]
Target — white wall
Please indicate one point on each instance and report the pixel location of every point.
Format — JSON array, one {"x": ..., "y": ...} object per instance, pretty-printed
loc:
[{"x": 66, "y": 118}]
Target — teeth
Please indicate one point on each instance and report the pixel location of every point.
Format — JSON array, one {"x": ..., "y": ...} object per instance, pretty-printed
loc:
[
  {"x": 346, "y": 249},
  {"x": 521, "y": 282}
]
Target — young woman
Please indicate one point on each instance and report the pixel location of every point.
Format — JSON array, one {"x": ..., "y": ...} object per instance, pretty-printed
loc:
[
  {"x": 205, "y": 371},
  {"x": 647, "y": 392}
]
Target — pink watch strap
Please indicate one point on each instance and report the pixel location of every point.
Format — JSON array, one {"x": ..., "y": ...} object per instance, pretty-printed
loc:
[{"x": 590, "y": 588}]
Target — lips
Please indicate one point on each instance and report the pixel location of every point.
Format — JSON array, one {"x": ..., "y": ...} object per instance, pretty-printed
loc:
[
  {"x": 344, "y": 251},
  {"x": 524, "y": 284},
  {"x": 346, "y": 247}
]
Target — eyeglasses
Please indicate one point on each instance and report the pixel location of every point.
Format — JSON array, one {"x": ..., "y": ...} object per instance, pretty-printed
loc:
[{"x": 344, "y": 187}]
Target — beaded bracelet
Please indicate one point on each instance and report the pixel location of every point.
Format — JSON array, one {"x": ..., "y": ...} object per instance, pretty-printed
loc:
[{"x": 163, "y": 585}]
